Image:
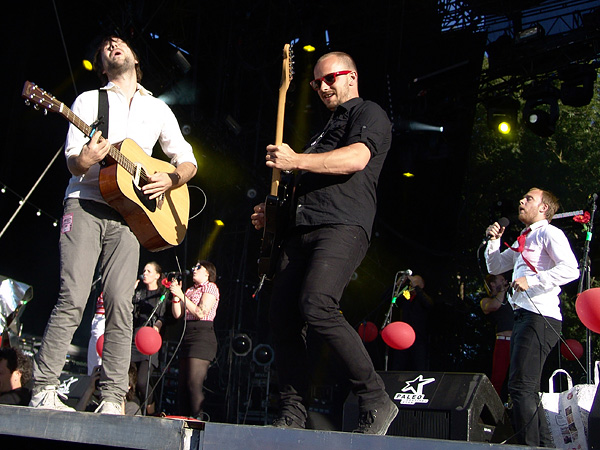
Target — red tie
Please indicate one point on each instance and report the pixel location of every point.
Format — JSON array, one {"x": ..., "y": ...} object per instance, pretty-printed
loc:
[{"x": 521, "y": 247}]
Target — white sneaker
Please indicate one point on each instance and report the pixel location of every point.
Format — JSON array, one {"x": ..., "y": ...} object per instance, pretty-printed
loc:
[
  {"x": 49, "y": 399},
  {"x": 107, "y": 407}
]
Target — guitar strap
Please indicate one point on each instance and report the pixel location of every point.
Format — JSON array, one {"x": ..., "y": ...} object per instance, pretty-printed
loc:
[{"x": 103, "y": 112}]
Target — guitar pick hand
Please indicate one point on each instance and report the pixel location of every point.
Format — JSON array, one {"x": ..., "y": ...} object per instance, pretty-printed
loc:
[{"x": 159, "y": 183}]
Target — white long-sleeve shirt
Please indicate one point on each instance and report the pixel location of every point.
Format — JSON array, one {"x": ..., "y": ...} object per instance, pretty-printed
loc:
[
  {"x": 146, "y": 120},
  {"x": 548, "y": 250}
]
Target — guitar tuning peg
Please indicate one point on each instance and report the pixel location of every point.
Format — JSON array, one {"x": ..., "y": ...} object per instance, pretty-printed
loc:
[
  {"x": 45, "y": 112},
  {"x": 27, "y": 102},
  {"x": 36, "y": 107}
]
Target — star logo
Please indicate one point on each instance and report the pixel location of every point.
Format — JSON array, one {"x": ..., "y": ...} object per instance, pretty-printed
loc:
[
  {"x": 420, "y": 382},
  {"x": 413, "y": 391}
]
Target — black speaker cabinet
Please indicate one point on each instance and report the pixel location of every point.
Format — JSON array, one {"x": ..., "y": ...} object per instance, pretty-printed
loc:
[
  {"x": 441, "y": 405},
  {"x": 594, "y": 424}
]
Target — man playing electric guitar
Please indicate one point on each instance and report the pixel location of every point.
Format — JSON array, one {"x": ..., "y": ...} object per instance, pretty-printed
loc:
[
  {"x": 94, "y": 234},
  {"x": 335, "y": 202}
]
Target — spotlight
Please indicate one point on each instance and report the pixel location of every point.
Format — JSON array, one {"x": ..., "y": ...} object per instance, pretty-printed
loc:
[
  {"x": 577, "y": 87},
  {"x": 263, "y": 355},
  {"x": 502, "y": 114},
  {"x": 540, "y": 113},
  {"x": 241, "y": 344}
]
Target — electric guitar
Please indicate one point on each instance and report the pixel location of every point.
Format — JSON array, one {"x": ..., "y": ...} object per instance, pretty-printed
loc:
[
  {"x": 159, "y": 223},
  {"x": 278, "y": 202}
]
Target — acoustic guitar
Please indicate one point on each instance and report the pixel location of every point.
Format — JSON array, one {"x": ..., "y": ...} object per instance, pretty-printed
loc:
[{"x": 159, "y": 223}]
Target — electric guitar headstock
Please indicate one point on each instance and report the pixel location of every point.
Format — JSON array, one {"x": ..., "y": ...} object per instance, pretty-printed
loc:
[{"x": 287, "y": 68}]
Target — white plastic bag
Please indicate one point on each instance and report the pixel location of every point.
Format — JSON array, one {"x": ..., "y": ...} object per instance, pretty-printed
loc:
[{"x": 567, "y": 412}]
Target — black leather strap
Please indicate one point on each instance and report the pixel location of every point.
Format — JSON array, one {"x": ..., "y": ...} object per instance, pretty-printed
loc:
[{"x": 103, "y": 112}]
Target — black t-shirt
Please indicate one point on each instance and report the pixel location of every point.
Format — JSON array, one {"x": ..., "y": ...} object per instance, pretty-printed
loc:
[
  {"x": 502, "y": 318},
  {"x": 20, "y": 397},
  {"x": 144, "y": 302},
  {"x": 345, "y": 199}
]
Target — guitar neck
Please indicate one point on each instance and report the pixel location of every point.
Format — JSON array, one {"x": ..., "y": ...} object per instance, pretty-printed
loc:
[
  {"x": 276, "y": 176},
  {"x": 113, "y": 152}
]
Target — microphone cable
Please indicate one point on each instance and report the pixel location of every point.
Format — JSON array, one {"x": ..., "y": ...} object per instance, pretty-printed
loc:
[
  {"x": 539, "y": 403},
  {"x": 168, "y": 364}
]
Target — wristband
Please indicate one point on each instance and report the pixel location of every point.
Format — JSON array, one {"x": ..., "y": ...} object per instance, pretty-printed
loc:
[{"x": 173, "y": 301}]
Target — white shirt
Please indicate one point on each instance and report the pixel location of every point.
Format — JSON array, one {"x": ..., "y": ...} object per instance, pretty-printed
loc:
[
  {"x": 548, "y": 250},
  {"x": 146, "y": 121}
]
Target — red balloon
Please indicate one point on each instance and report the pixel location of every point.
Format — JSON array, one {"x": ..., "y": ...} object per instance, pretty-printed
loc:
[
  {"x": 368, "y": 331},
  {"x": 587, "y": 306},
  {"x": 148, "y": 341},
  {"x": 100, "y": 345},
  {"x": 398, "y": 335},
  {"x": 575, "y": 347}
]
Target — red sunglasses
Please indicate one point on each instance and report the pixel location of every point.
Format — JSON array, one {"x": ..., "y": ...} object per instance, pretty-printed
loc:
[{"x": 329, "y": 79}]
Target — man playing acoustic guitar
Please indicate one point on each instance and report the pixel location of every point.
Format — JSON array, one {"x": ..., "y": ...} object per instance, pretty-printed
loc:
[
  {"x": 95, "y": 235},
  {"x": 333, "y": 213}
]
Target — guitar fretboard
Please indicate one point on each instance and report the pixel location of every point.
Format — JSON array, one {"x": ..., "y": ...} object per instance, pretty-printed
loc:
[{"x": 113, "y": 152}]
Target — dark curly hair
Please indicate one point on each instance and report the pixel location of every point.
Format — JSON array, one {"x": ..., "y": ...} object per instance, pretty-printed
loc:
[
  {"x": 99, "y": 68},
  {"x": 17, "y": 360}
]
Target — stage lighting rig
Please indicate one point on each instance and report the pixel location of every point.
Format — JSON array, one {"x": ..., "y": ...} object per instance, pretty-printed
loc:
[
  {"x": 541, "y": 112},
  {"x": 502, "y": 113},
  {"x": 577, "y": 84}
]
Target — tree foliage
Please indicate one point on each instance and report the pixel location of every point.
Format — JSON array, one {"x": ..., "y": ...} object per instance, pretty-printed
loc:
[{"x": 501, "y": 169}]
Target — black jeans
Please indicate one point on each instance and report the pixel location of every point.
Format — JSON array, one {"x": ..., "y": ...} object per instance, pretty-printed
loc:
[
  {"x": 533, "y": 337},
  {"x": 315, "y": 268}
]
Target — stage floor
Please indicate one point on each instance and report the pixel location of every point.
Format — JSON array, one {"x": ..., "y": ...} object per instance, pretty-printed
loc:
[{"x": 23, "y": 428}]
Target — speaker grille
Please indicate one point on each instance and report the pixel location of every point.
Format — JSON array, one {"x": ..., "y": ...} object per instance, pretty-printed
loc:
[{"x": 418, "y": 423}]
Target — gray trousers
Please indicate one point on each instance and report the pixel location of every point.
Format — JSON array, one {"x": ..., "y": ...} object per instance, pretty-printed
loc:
[{"x": 92, "y": 235}]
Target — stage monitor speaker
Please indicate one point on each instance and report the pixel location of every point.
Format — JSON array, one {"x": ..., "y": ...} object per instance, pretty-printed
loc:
[
  {"x": 594, "y": 423},
  {"x": 441, "y": 405}
]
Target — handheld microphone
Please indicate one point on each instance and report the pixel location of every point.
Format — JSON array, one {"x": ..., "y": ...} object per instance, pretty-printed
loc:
[
  {"x": 406, "y": 272},
  {"x": 503, "y": 222}
]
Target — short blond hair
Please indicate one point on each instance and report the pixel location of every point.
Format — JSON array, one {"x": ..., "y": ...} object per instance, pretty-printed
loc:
[
  {"x": 344, "y": 57},
  {"x": 549, "y": 199}
]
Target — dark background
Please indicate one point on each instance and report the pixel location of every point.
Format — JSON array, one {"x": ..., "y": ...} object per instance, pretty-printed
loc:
[{"x": 412, "y": 59}]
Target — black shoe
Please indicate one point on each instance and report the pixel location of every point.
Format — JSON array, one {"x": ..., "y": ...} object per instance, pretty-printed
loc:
[
  {"x": 377, "y": 421},
  {"x": 287, "y": 422}
]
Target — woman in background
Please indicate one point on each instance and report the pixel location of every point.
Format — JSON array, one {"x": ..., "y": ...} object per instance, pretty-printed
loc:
[
  {"x": 148, "y": 310},
  {"x": 199, "y": 346}
]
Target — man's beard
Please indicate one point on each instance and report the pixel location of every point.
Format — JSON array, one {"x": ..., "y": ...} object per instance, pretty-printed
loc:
[{"x": 119, "y": 67}]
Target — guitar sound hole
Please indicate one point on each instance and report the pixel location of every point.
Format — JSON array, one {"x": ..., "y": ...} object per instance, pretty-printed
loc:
[{"x": 144, "y": 199}]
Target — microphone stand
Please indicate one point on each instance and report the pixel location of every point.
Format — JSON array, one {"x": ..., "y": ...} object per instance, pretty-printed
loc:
[
  {"x": 145, "y": 405},
  {"x": 388, "y": 316},
  {"x": 585, "y": 275}
]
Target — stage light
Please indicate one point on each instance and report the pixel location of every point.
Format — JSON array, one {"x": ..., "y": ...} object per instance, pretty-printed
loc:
[
  {"x": 540, "y": 113},
  {"x": 502, "y": 114},
  {"x": 504, "y": 127},
  {"x": 577, "y": 87},
  {"x": 241, "y": 344},
  {"x": 186, "y": 130},
  {"x": 535, "y": 32},
  {"x": 210, "y": 239},
  {"x": 263, "y": 355},
  {"x": 308, "y": 48},
  {"x": 408, "y": 175},
  {"x": 87, "y": 65}
]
